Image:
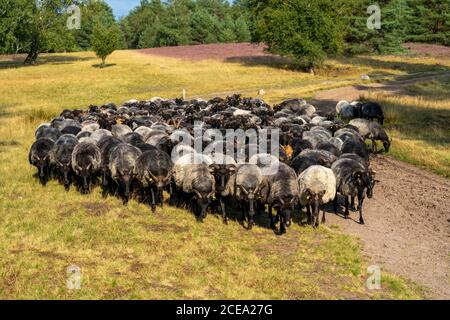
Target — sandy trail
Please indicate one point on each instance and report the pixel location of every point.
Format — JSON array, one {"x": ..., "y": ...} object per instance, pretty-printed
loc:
[{"x": 407, "y": 228}]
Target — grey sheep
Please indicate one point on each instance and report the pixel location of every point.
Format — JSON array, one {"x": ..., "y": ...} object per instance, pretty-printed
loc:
[
  {"x": 196, "y": 180},
  {"x": 48, "y": 132},
  {"x": 317, "y": 187},
  {"x": 346, "y": 111},
  {"x": 283, "y": 194},
  {"x": 315, "y": 137},
  {"x": 122, "y": 162},
  {"x": 61, "y": 157},
  {"x": 106, "y": 145},
  {"x": 246, "y": 186},
  {"x": 309, "y": 158},
  {"x": 373, "y": 131},
  {"x": 120, "y": 130},
  {"x": 86, "y": 161}
]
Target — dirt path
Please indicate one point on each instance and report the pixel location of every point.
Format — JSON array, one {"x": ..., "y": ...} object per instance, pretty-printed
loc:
[{"x": 407, "y": 228}]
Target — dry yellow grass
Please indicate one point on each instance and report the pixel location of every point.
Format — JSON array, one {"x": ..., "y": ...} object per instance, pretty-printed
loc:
[{"x": 126, "y": 252}]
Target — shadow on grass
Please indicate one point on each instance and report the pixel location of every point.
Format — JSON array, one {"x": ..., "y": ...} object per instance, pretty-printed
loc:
[
  {"x": 438, "y": 89},
  {"x": 371, "y": 61},
  {"x": 5, "y": 145},
  {"x": 279, "y": 62},
  {"x": 273, "y": 61},
  {"x": 9, "y": 62},
  {"x": 100, "y": 66}
]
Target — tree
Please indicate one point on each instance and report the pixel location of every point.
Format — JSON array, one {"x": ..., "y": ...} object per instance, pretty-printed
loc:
[
  {"x": 104, "y": 41},
  {"x": 204, "y": 27},
  {"x": 241, "y": 30},
  {"x": 93, "y": 12},
  {"x": 15, "y": 17},
  {"x": 396, "y": 17},
  {"x": 305, "y": 30},
  {"x": 431, "y": 21},
  {"x": 46, "y": 15}
]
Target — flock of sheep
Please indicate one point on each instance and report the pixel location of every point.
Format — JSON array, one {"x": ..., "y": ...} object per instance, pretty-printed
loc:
[{"x": 144, "y": 148}]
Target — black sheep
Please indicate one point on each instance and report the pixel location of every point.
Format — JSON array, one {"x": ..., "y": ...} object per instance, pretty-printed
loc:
[
  {"x": 61, "y": 157},
  {"x": 39, "y": 156},
  {"x": 154, "y": 171},
  {"x": 371, "y": 111},
  {"x": 352, "y": 180}
]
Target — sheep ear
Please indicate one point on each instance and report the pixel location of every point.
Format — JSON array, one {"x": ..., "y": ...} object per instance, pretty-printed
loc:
[{"x": 231, "y": 168}]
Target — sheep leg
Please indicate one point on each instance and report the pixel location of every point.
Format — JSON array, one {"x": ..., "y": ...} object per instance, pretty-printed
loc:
[
  {"x": 308, "y": 213},
  {"x": 153, "y": 201},
  {"x": 347, "y": 212},
  {"x": 224, "y": 212},
  {"x": 360, "y": 204},
  {"x": 352, "y": 204},
  {"x": 316, "y": 213},
  {"x": 374, "y": 146},
  {"x": 161, "y": 198},
  {"x": 282, "y": 223},
  {"x": 243, "y": 213},
  {"x": 335, "y": 204},
  {"x": 272, "y": 223},
  {"x": 323, "y": 215},
  {"x": 251, "y": 214}
]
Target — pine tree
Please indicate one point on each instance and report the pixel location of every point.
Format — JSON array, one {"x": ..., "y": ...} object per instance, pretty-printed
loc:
[
  {"x": 104, "y": 41},
  {"x": 431, "y": 21},
  {"x": 241, "y": 30}
]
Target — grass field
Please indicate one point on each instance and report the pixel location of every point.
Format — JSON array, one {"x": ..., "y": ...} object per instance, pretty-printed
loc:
[{"x": 126, "y": 252}]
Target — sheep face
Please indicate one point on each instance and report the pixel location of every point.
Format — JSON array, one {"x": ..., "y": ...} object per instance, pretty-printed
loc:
[
  {"x": 222, "y": 173},
  {"x": 41, "y": 164},
  {"x": 203, "y": 194}
]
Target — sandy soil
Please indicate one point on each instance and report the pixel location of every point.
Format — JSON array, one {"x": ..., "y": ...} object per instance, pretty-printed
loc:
[{"x": 407, "y": 228}]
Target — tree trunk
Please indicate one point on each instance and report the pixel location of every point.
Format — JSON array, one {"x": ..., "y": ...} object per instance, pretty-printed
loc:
[
  {"x": 103, "y": 62},
  {"x": 33, "y": 53}
]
